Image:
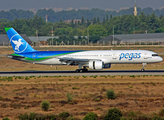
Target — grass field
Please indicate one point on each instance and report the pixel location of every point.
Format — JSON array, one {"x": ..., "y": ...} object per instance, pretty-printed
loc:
[
  {"x": 141, "y": 94},
  {"x": 133, "y": 93}
]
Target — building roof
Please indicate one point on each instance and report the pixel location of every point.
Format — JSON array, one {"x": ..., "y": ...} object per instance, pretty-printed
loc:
[
  {"x": 140, "y": 36},
  {"x": 41, "y": 38},
  {"x": 108, "y": 39},
  {"x": 135, "y": 37},
  {"x": 4, "y": 40}
]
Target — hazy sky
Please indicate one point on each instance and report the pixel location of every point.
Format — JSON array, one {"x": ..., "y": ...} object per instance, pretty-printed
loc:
[{"x": 78, "y": 4}]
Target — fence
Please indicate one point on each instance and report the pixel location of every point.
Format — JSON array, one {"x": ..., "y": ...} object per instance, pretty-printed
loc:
[{"x": 98, "y": 43}]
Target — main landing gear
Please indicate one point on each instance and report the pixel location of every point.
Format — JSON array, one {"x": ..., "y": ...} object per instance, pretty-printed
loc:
[
  {"x": 143, "y": 68},
  {"x": 82, "y": 70}
]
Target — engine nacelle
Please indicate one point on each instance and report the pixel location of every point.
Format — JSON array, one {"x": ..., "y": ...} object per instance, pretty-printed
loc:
[
  {"x": 107, "y": 65},
  {"x": 96, "y": 65}
]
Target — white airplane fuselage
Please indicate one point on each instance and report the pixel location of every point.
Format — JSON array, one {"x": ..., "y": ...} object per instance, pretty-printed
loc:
[{"x": 109, "y": 56}]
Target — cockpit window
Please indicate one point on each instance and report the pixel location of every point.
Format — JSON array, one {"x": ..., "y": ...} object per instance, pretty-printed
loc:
[{"x": 154, "y": 54}]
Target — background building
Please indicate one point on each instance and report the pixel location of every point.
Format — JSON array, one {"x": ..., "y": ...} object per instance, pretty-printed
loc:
[
  {"x": 149, "y": 38},
  {"x": 4, "y": 40}
]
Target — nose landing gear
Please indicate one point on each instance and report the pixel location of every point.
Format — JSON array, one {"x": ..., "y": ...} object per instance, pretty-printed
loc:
[{"x": 143, "y": 68}]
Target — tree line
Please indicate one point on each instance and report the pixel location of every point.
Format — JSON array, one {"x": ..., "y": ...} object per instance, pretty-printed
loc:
[
  {"x": 73, "y": 14},
  {"x": 95, "y": 28}
]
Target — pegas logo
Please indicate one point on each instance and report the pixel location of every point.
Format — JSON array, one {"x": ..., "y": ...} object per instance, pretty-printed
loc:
[
  {"x": 18, "y": 44},
  {"x": 129, "y": 56}
]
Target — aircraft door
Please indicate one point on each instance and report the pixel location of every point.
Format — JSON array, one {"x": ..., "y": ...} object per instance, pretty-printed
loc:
[
  {"x": 145, "y": 56},
  {"x": 114, "y": 57}
]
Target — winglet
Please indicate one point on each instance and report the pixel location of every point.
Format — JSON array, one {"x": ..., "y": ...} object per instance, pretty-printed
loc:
[{"x": 7, "y": 28}]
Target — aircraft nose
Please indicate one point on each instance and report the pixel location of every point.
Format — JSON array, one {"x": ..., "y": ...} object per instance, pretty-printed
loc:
[{"x": 160, "y": 59}]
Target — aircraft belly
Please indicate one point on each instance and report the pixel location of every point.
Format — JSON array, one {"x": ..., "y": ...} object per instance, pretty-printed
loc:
[{"x": 52, "y": 61}]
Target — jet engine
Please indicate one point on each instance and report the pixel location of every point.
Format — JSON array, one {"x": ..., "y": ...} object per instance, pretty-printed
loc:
[{"x": 98, "y": 65}]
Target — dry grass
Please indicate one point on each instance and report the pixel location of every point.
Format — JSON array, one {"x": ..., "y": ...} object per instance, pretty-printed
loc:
[{"x": 134, "y": 93}]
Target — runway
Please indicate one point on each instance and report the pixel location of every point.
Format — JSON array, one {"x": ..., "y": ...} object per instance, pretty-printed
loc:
[{"x": 89, "y": 73}]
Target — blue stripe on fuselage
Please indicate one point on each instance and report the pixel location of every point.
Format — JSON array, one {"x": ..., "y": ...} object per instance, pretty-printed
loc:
[{"x": 42, "y": 54}]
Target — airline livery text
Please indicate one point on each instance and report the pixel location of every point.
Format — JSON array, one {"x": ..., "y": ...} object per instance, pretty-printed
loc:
[{"x": 129, "y": 56}]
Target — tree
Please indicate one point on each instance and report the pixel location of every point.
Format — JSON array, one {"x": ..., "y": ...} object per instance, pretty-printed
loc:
[
  {"x": 143, "y": 26},
  {"x": 88, "y": 22},
  {"x": 104, "y": 20},
  {"x": 98, "y": 19},
  {"x": 98, "y": 30},
  {"x": 160, "y": 30},
  {"x": 72, "y": 23},
  {"x": 111, "y": 16},
  {"x": 107, "y": 17},
  {"x": 61, "y": 20},
  {"x": 94, "y": 20},
  {"x": 161, "y": 16},
  {"x": 142, "y": 17},
  {"x": 82, "y": 20}
]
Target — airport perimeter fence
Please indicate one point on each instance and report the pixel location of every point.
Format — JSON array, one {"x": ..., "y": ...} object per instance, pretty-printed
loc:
[{"x": 102, "y": 43}]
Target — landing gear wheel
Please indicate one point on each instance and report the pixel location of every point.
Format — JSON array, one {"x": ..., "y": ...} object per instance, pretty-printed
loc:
[
  {"x": 85, "y": 70},
  {"x": 81, "y": 70},
  {"x": 77, "y": 70},
  {"x": 143, "y": 70}
]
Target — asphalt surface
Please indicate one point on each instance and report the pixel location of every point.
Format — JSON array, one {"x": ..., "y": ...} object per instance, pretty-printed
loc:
[{"x": 89, "y": 73}]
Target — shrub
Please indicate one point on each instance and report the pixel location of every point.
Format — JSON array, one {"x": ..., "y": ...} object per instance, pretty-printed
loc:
[
  {"x": 113, "y": 114},
  {"x": 90, "y": 116},
  {"x": 144, "y": 117},
  {"x": 110, "y": 94},
  {"x": 23, "y": 116},
  {"x": 161, "y": 112},
  {"x": 32, "y": 116},
  {"x": 64, "y": 115},
  {"x": 26, "y": 78},
  {"x": 123, "y": 118},
  {"x": 45, "y": 105},
  {"x": 69, "y": 97},
  {"x": 157, "y": 118},
  {"x": 1, "y": 98},
  {"x": 75, "y": 88},
  {"x": 132, "y": 114},
  {"x": 6, "y": 118}
]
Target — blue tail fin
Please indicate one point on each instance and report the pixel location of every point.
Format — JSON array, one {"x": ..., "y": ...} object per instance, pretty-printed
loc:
[{"x": 18, "y": 43}]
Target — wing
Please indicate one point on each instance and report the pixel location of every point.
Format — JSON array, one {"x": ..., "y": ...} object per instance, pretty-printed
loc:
[{"x": 75, "y": 61}]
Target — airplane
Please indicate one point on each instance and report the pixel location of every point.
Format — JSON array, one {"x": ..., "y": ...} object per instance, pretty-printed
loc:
[{"x": 94, "y": 59}]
